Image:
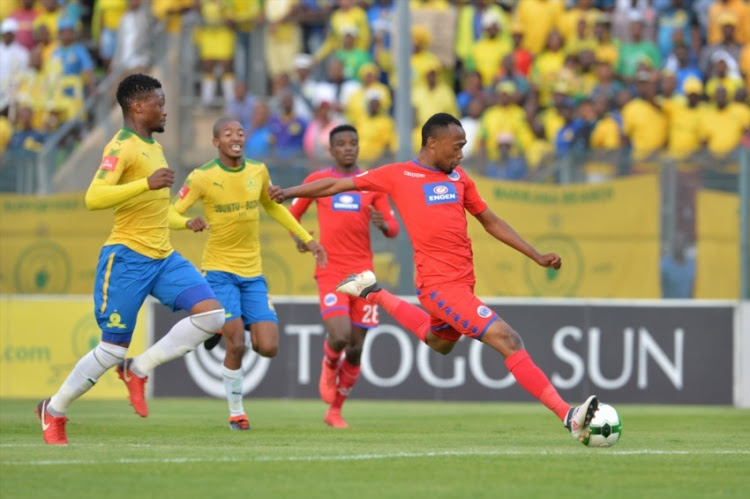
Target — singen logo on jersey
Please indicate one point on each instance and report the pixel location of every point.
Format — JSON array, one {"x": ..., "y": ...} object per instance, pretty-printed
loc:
[
  {"x": 440, "y": 193},
  {"x": 347, "y": 202}
]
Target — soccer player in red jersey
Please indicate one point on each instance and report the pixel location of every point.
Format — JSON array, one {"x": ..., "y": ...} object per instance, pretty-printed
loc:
[
  {"x": 344, "y": 220},
  {"x": 432, "y": 193}
]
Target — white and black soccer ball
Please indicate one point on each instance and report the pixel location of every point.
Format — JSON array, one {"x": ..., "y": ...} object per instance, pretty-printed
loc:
[{"x": 606, "y": 427}]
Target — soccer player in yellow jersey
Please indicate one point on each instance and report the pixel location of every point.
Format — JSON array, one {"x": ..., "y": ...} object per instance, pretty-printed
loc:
[
  {"x": 231, "y": 189},
  {"x": 136, "y": 260}
]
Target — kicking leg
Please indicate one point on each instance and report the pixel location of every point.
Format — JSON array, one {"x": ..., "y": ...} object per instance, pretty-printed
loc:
[{"x": 500, "y": 336}]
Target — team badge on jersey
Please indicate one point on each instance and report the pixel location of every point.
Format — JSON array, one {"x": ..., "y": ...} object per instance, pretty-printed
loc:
[
  {"x": 183, "y": 192},
  {"x": 440, "y": 193},
  {"x": 109, "y": 163},
  {"x": 483, "y": 311},
  {"x": 347, "y": 202},
  {"x": 330, "y": 299},
  {"x": 454, "y": 175}
]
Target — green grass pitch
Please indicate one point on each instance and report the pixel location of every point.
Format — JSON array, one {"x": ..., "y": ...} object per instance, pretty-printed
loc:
[{"x": 392, "y": 449}]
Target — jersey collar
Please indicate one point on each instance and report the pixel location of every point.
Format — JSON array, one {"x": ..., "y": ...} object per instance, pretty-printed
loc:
[
  {"x": 337, "y": 173},
  {"x": 436, "y": 170}
]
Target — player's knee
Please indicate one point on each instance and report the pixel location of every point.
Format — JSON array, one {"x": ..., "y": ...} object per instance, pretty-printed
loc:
[
  {"x": 440, "y": 345},
  {"x": 209, "y": 322},
  {"x": 267, "y": 350}
]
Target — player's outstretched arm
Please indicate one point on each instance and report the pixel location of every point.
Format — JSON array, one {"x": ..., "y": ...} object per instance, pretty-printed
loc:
[
  {"x": 318, "y": 189},
  {"x": 500, "y": 230}
]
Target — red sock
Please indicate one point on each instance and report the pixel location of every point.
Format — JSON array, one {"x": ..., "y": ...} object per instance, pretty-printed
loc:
[
  {"x": 348, "y": 375},
  {"x": 410, "y": 316},
  {"x": 534, "y": 381},
  {"x": 332, "y": 356}
]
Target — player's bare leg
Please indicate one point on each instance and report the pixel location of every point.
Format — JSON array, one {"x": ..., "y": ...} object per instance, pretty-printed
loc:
[
  {"x": 348, "y": 373},
  {"x": 264, "y": 336},
  {"x": 500, "y": 336},
  {"x": 339, "y": 330},
  {"x": 234, "y": 340}
]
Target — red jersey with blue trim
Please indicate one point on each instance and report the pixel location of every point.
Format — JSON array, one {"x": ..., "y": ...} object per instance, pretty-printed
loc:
[
  {"x": 433, "y": 206},
  {"x": 344, "y": 222}
]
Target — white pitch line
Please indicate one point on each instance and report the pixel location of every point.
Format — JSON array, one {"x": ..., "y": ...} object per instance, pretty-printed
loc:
[{"x": 364, "y": 457}]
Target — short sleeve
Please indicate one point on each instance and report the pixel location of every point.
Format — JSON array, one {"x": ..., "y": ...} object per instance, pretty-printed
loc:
[
  {"x": 473, "y": 202},
  {"x": 377, "y": 179}
]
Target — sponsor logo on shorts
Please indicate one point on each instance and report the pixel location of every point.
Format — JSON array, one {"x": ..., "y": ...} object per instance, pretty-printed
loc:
[
  {"x": 454, "y": 175},
  {"x": 330, "y": 299},
  {"x": 483, "y": 311},
  {"x": 412, "y": 174},
  {"x": 183, "y": 191},
  {"x": 347, "y": 202},
  {"x": 109, "y": 163},
  {"x": 440, "y": 193}
]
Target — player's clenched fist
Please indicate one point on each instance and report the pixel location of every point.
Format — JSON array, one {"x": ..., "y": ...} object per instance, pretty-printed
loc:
[
  {"x": 276, "y": 193},
  {"x": 550, "y": 260},
  {"x": 163, "y": 177},
  {"x": 197, "y": 224}
]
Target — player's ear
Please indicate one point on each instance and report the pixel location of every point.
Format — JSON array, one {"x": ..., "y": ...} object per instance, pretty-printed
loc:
[{"x": 215, "y": 142}]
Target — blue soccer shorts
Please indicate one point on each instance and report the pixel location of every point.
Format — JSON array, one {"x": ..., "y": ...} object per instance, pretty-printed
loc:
[
  {"x": 245, "y": 297},
  {"x": 124, "y": 278}
]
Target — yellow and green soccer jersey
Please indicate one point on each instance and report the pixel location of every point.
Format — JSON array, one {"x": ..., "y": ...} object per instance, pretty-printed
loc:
[
  {"x": 141, "y": 214},
  {"x": 230, "y": 199}
]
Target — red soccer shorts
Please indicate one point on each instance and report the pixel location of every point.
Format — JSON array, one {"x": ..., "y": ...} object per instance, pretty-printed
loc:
[
  {"x": 455, "y": 310},
  {"x": 361, "y": 312}
]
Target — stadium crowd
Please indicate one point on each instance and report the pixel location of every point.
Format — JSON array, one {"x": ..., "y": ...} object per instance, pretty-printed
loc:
[{"x": 623, "y": 84}]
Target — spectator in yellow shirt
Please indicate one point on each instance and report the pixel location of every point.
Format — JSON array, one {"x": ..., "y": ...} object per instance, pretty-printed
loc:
[
  {"x": 723, "y": 8},
  {"x": 215, "y": 42},
  {"x": 686, "y": 123},
  {"x": 644, "y": 123},
  {"x": 606, "y": 48},
  {"x": 170, "y": 12},
  {"x": 722, "y": 77},
  {"x": 434, "y": 96},
  {"x": 422, "y": 60},
  {"x": 604, "y": 142},
  {"x": 347, "y": 14},
  {"x": 49, "y": 16},
  {"x": 377, "y": 135},
  {"x": 283, "y": 36},
  {"x": 104, "y": 24},
  {"x": 506, "y": 116},
  {"x": 570, "y": 20},
  {"x": 724, "y": 126},
  {"x": 469, "y": 24},
  {"x": 538, "y": 18},
  {"x": 356, "y": 106},
  {"x": 547, "y": 66},
  {"x": 488, "y": 52}
]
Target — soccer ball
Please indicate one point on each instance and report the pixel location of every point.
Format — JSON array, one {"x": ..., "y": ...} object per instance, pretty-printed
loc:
[{"x": 606, "y": 427}]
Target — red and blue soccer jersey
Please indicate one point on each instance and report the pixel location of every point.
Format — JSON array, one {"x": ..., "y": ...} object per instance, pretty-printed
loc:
[
  {"x": 432, "y": 205},
  {"x": 344, "y": 222}
]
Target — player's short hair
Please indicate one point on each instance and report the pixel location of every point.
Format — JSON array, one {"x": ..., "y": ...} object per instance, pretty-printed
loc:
[
  {"x": 436, "y": 123},
  {"x": 221, "y": 122},
  {"x": 340, "y": 129},
  {"x": 134, "y": 87}
]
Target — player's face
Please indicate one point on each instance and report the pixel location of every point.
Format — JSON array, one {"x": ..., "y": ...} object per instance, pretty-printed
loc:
[
  {"x": 231, "y": 140},
  {"x": 448, "y": 148},
  {"x": 151, "y": 112},
  {"x": 345, "y": 148}
]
